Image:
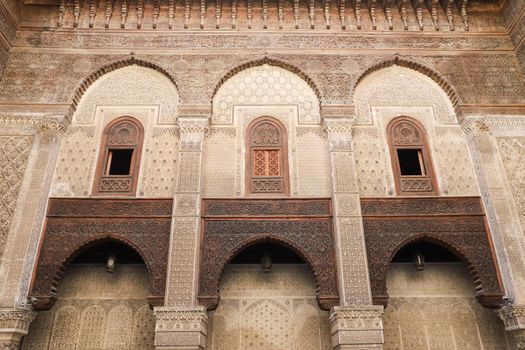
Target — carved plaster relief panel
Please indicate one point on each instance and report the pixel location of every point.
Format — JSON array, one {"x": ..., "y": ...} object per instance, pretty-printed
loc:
[
  {"x": 512, "y": 150},
  {"x": 97, "y": 310},
  {"x": 130, "y": 86},
  {"x": 261, "y": 311},
  {"x": 400, "y": 86},
  {"x": 435, "y": 309},
  {"x": 14, "y": 155},
  {"x": 448, "y": 148},
  {"x": 80, "y": 145},
  {"x": 265, "y": 85}
]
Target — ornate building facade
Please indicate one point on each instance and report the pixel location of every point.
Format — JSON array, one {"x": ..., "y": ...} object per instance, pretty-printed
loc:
[{"x": 262, "y": 175}]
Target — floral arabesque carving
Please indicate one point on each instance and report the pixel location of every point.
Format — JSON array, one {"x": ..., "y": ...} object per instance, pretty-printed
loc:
[
  {"x": 397, "y": 60},
  {"x": 457, "y": 224},
  {"x": 111, "y": 66},
  {"x": 73, "y": 225},
  {"x": 230, "y": 226}
]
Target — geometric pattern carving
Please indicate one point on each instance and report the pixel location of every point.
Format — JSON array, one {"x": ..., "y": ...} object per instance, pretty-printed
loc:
[
  {"x": 232, "y": 225},
  {"x": 456, "y": 223},
  {"x": 14, "y": 152},
  {"x": 265, "y": 85},
  {"x": 75, "y": 224}
]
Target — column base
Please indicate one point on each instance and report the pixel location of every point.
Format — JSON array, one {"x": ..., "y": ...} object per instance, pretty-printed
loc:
[
  {"x": 180, "y": 329},
  {"x": 14, "y": 324},
  {"x": 357, "y": 327},
  {"x": 513, "y": 317}
]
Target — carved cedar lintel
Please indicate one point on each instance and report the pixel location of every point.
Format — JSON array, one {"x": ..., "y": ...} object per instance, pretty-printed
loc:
[
  {"x": 458, "y": 224},
  {"x": 74, "y": 224},
  {"x": 231, "y": 225}
]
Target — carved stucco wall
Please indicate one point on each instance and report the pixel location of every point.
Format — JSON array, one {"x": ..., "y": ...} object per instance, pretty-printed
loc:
[
  {"x": 136, "y": 91},
  {"x": 261, "y": 311},
  {"x": 436, "y": 309},
  {"x": 97, "y": 310},
  {"x": 395, "y": 91},
  {"x": 266, "y": 90},
  {"x": 512, "y": 150},
  {"x": 14, "y": 154}
]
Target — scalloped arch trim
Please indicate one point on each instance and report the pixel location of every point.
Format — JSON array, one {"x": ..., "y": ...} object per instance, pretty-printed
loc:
[
  {"x": 99, "y": 72},
  {"x": 270, "y": 62},
  {"x": 437, "y": 77}
]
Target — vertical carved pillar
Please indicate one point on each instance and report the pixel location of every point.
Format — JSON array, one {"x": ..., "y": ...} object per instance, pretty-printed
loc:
[
  {"x": 181, "y": 323},
  {"x": 14, "y": 324},
  {"x": 502, "y": 217},
  {"x": 28, "y": 152},
  {"x": 356, "y": 324}
]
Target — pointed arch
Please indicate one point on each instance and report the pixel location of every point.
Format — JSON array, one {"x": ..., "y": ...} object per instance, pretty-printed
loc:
[
  {"x": 271, "y": 62},
  {"x": 109, "y": 67},
  {"x": 397, "y": 60}
]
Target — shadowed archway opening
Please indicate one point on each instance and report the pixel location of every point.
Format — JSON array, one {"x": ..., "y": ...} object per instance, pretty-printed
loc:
[
  {"x": 432, "y": 300},
  {"x": 268, "y": 301},
  {"x": 101, "y": 303}
]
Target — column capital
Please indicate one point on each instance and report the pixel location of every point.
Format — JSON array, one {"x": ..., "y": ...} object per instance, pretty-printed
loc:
[
  {"x": 337, "y": 111},
  {"x": 14, "y": 324},
  {"x": 339, "y": 132},
  {"x": 357, "y": 327},
  {"x": 474, "y": 125},
  {"x": 192, "y": 131},
  {"x": 178, "y": 328},
  {"x": 513, "y": 316}
]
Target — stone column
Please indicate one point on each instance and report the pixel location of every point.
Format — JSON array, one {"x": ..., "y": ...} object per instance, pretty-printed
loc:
[
  {"x": 513, "y": 317},
  {"x": 502, "y": 215},
  {"x": 356, "y": 323},
  {"x": 14, "y": 324},
  {"x": 181, "y": 323},
  {"x": 28, "y": 152}
]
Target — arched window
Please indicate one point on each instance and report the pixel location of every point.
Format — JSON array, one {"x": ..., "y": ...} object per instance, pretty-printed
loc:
[
  {"x": 267, "y": 163},
  {"x": 411, "y": 162},
  {"x": 119, "y": 157}
]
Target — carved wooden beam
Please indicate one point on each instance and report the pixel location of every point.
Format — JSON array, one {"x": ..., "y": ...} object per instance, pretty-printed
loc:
[
  {"x": 234, "y": 14},
  {"x": 140, "y": 13},
  {"x": 171, "y": 13},
  {"x": 187, "y": 11},
  {"x": 109, "y": 12},
  {"x": 92, "y": 12},
  {"x": 311, "y": 13},
  {"x": 76, "y": 13},
  {"x": 61, "y": 12},
  {"x": 357, "y": 11},
  {"x": 447, "y": 7},
  {"x": 388, "y": 13},
  {"x": 418, "y": 9},
  {"x": 372, "y": 5},
  {"x": 265, "y": 13},
  {"x": 433, "y": 9},
  {"x": 462, "y": 4},
  {"x": 296, "y": 13},
  {"x": 218, "y": 13},
  {"x": 403, "y": 5},
  {"x": 326, "y": 11},
  {"x": 280, "y": 13},
  {"x": 123, "y": 13},
  {"x": 249, "y": 13},
  {"x": 203, "y": 13},
  {"x": 156, "y": 13},
  {"x": 342, "y": 13}
]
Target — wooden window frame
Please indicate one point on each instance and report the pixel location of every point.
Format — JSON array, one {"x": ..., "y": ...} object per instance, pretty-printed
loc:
[
  {"x": 101, "y": 176},
  {"x": 412, "y": 185},
  {"x": 283, "y": 159}
]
